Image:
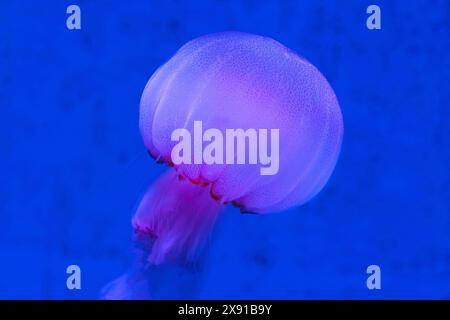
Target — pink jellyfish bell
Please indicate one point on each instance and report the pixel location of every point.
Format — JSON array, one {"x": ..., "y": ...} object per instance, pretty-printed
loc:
[{"x": 240, "y": 118}]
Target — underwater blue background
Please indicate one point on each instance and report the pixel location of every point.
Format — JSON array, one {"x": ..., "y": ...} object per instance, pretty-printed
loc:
[{"x": 73, "y": 166}]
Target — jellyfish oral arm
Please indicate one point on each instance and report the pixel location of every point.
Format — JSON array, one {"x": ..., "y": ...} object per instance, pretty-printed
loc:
[
  {"x": 178, "y": 217},
  {"x": 171, "y": 226}
]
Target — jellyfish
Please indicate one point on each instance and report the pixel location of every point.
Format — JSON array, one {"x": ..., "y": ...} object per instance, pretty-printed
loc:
[{"x": 226, "y": 81}]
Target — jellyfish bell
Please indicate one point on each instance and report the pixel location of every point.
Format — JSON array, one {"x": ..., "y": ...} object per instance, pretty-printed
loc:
[{"x": 233, "y": 81}]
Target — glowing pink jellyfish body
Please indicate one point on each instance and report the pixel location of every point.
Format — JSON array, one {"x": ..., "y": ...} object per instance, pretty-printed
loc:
[{"x": 233, "y": 81}]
